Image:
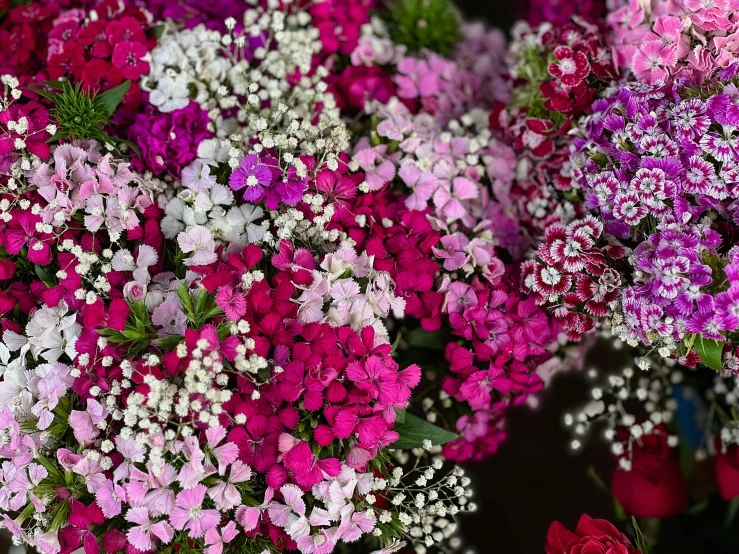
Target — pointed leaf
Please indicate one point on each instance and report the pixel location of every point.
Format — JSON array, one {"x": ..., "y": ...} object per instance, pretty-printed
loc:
[
  {"x": 709, "y": 351},
  {"x": 414, "y": 430},
  {"x": 44, "y": 93},
  {"x": 110, "y": 99}
]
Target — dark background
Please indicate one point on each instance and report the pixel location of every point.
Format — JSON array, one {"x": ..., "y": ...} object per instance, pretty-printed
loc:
[{"x": 535, "y": 478}]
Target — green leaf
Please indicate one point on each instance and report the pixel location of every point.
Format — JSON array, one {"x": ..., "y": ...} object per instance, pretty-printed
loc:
[
  {"x": 45, "y": 274},
  {"x": 110, "y": 99},
  {"x": 43, "y": 93},
  {"x": 399, "y": 416},
  {"x": 59, "y": 515},
  {"x": 396, "y": 342},
  {"x": 641, "y": 542},
  {"x": 158, "y": 31},
  {"x": 731, "y": 512},
  {"x": 709, "y": 351},
  {"x": 184, "y": 295},
  {"x": 50, "y": 467},
  {"x": 413, "y": 431}
]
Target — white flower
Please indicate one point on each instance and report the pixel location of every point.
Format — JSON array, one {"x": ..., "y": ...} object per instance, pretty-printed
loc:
[
  {"x": 212, "y": 152},
  {"x": 147, "y": 257},
  {"x": 243, "y": 226},
  {"x": 170, "y": 94},
  {"x": 199, "y": 241}
]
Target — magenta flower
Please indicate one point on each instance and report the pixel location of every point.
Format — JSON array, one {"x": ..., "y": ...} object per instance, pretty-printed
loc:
[
  {"x": 477, "y": 388},
  {"x": 22, "y": 231},
  {"x": 375, "y": 378},
  {"x": 190, "y": 515},
  {"x": 78, "y": 532},
  {"x": 127, "y": 57},
  {"x": 232, "y": 303}
]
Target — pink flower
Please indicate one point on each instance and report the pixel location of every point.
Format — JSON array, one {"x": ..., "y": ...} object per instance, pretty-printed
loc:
[
  {"x": 224, "y": 494},
  {"x": 84, "y": 424},
  {"x": 459, "y": 297},
  {"x": 377, "y": 169},
  {"x": 354, "y": 525},
  {"x": 448, "y": 198},
  {"x": 189, "y": 514},
  {"x": 140, "y": 535},
  {"x": 422, "y": 184},
  {"x": 199, "y": 241},
  {"x": 452, "y": 251},
  {"x": 653, "y": 59},
  {"x": 169, "y": 317},
  {"x": 214, "y": 541},
  {"x": 417, "y": 77},
  {"x": 110, "y": 497},
  {"x": 232, "y": 303}
]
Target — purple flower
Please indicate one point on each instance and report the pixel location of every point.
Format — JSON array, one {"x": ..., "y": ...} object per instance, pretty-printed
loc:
[
  {"x": 169, "y": 141},
  {"x": 727, "y": 308},
  {"x": 253, "y": 176}
]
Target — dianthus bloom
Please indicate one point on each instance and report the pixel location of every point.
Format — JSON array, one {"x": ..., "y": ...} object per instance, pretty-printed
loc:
[{"x": 168, "y": 141}]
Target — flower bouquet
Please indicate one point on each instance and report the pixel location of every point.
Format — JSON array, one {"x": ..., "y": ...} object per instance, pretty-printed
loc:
[{"x": 270, "y": 270}]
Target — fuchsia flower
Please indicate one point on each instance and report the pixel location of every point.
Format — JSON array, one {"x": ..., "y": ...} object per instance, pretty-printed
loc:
[
  {"x": 127, "y": 57},
  {"x": 22, "y": 233},
  {"x": 79, "y": 533},
  {"x": 232, "y": 303}
]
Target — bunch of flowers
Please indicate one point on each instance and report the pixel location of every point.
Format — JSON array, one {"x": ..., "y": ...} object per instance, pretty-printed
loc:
[
  {"x": 647, "y": 256},
  {"x": 558, "y": 71},
  {"x": 657, "y": 166},
  {"x": 446, "y": 86},
  {"x": 102, "y": 51},
  {"x": 440, "y": 212},
  {"x": 660, "y": 40},
  {"x": 199, "y": 327}
]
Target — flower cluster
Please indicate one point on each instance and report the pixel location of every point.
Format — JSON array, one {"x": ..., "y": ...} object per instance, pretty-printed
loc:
[
  {"x": 103, "y": 52},
  {"x": 559, "y": 71},
  {"x": 658, "y": 167},
  {"x": 659, "y": 40},
  {"x": 203, "y": 308}
]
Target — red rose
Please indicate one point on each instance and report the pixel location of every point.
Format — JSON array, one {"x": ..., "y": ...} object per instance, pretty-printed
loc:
[
  {"x": 592, "y": 536},
  {"x": 727, "y": 470},
  {"x": 654, "y": 487}
]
